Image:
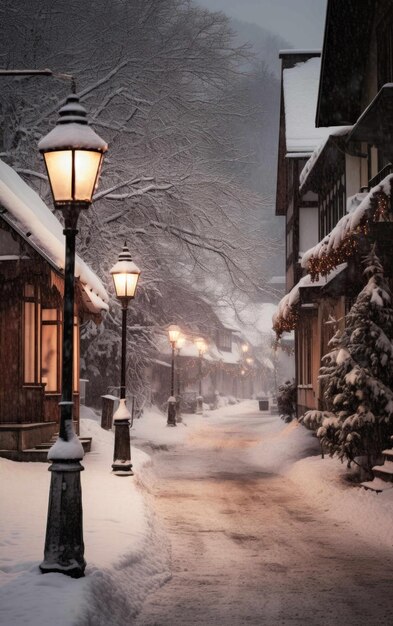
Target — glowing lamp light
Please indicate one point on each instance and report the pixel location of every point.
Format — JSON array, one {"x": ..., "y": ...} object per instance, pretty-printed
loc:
[
  {"x": 245, "y": 347},
  {"x": 125, "y": 275},
  {"x": 200, "y": 345},
  {"x": 173, "y": 333},
  {"x": 73, "y": 155},
  {"x": 180, "y": 341}
]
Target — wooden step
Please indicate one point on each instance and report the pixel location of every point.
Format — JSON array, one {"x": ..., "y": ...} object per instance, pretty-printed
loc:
[
  {"x": 388, "y": 454},
  {"x": 384, "y": 471},
  {"x": 85, "y": 441},
  {"x": 378, "y": 485},
  {"x": 39, "y": 454}
]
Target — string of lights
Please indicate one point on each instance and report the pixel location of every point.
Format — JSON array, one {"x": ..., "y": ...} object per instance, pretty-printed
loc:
[{"x": 328, "y": 257}]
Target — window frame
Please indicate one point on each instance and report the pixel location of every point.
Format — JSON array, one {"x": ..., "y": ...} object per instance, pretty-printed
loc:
[{"x": 34, "y": 298}]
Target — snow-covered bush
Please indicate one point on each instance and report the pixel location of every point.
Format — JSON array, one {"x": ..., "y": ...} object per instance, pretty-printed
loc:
[
  {"x": 358, "y": 375},
  {"x": 286, "y": 400}
]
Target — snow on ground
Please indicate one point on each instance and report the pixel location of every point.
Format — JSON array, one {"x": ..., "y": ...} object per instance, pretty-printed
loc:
[
  {"x": 123, "y": 546},
  {"x": 126, "y": 550}
]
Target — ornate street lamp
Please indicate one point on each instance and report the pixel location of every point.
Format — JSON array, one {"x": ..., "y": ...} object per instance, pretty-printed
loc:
[
  {"x": 179, "y": 344},
  {"x": 125, "y": 276},
  {"x": 201, "y": 347},
  {"x": 73, "y": 155},
  {"x": 173, "y": 335}
]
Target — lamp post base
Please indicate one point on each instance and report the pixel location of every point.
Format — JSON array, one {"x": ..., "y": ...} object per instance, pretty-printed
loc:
[
  {"x": 171, "y": 421},
  {"x": 178, "y": 416},
  {"x": 122, "y": 465},
  {"x": 64, "y": 547},
  {"x": 199, "y": 406}
]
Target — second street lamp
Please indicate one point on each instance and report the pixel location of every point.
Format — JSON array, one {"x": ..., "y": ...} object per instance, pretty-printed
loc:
[
  {"x": 179, "y": 344},
  {"x": 173, "y": 334},
  {"x": 201, "y": 347},
  {"x": 125, "y": 276},
  {"x": 73, "y": 155}
]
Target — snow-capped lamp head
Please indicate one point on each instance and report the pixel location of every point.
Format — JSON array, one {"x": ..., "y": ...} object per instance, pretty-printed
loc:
[
  {"x": 73, "y": 155},
  {"x": 125, "y": 274}
]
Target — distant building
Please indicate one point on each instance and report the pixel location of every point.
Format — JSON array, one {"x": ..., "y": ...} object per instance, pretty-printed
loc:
[{"x": 239, "y": 362}]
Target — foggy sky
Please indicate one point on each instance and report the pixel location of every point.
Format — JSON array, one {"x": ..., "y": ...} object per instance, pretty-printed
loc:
[{"x": 300, "y": 22}]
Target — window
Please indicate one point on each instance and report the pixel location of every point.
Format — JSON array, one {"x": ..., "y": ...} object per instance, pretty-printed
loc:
[
  {"x": 51, "y": 346},
  {"x": 332, "y": 205},
  {"x": 31, "y": 334},
  {"x": 224, "y": 340},
  {"x": 384, "y": 38},
  {"x": 304, "y": 339}
]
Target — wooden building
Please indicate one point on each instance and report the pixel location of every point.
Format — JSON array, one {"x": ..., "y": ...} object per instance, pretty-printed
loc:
[
  {"x": 31, "y": 309},
  {"x": 348, "y": 175}
]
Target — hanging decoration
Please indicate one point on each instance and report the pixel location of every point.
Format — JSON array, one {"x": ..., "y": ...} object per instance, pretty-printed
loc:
[
  {"x": 337, "y": 247},
  {"x": 343, "y": 241}
]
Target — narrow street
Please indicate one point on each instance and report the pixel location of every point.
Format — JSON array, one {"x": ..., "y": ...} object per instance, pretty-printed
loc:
[{"x": 248, "y": 549}]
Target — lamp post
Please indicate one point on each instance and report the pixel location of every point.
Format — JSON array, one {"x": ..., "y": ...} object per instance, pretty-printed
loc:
[
  {"x": 179, "y": 344},
  {"x": 125, "y": 276},
  {"x": 250, "y": 363},
  {"x": 201, "y": 347},
  {"x": 173, "y": 334},
  {"x": 73, "y": 155}
]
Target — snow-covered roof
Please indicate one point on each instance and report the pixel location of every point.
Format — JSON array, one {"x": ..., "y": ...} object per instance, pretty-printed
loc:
[
  {"x": 300, "y": 85},
  {"x": 31, "y": 214},
  {"x": 296, "y": 51},
  {"x": 337, "y": 131},
  {"x": 212, "y": 353},
  {"x": 277, "y": 280},
  {"x": 287, "y": 304}
]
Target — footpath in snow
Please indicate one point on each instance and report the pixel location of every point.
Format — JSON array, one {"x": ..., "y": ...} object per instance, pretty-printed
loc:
[{"x": 127, "y": 551}]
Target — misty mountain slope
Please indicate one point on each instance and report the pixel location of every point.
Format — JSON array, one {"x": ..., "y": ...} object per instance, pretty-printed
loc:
[{"x": 265, "y": 44}]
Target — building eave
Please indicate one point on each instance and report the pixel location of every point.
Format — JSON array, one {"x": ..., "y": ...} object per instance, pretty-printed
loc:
[{"x": 341, "y": 80}]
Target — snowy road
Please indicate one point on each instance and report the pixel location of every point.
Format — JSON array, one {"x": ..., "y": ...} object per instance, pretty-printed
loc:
[{"x": 248, "y": 548}]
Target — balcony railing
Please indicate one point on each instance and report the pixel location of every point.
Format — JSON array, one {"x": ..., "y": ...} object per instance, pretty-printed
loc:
[{"x": 388, "y": 169}]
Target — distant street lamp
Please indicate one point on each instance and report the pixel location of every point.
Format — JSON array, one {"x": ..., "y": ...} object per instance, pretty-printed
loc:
[
  {"x": 125, "y": 276},
  {"x": 73, "y": 155},
  {"x": 179, "y": 344},
  {"x": 173, "y": 334},
  {"x": 250, "y": 363},
  {"x": 201, "y": 347}
]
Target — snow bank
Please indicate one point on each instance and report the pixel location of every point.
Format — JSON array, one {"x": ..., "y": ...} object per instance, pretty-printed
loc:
[
  {"x": 126, "y": 551},
  {"x": 325, "y": 481},
  {"x": 127, "y": 554},
  {"x": 294, "y": 452}
]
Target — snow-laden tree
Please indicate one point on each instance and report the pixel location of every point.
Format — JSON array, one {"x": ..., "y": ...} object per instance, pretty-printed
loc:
[
  {"x": 358, "y": 376},
  {"x": 286, "y": 400},
  {"x": 159, "y": 80}
]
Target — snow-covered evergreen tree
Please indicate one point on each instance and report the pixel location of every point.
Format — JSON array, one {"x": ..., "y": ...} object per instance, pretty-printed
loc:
[
  {"x": 286, "y": 400},
  {"x": 358, "y": 375}
]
